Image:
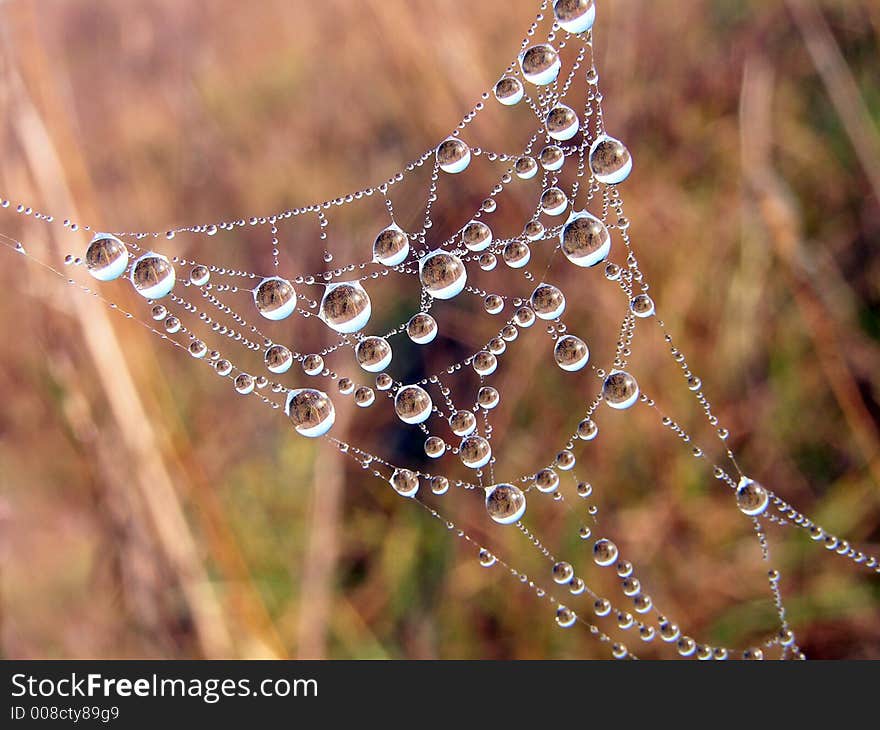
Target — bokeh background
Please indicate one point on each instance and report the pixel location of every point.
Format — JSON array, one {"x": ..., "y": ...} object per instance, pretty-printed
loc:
[{"x": 155, "y": 513}]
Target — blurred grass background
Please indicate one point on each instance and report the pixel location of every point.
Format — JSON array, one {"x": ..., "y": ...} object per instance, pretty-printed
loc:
[{"x": 754, "y": 201}]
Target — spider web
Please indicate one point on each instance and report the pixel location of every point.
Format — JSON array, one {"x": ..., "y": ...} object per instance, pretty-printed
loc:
[{"x": 310, "y": 342}]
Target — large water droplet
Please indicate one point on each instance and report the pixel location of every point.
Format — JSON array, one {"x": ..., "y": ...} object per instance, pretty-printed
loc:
[
  {"x": 548, "y": 301},
  {"x": 373, "y": 354},
  {"x": 604, "y": 552},
  {"x": 443, "y": 275},
  {"x": 585, "y": 239},
  {"x": 453, "y": 155},
  {"x": 509, "y": 91},
  {"x": 610, "y": 160},
  {"x": 106, "y": 257},
  {"x": 562, "y": 122},
  {"x": 575, "y": 16},
  {"x": 552, "y": 157},
  {"x": 421, "y": 328},
  {"x": 554, "y": 201},
  {"x": 505, "y": 503},
  {"x": 476, "y": 236},
  {"x": 571, "y": 353},
  {"x": 391, "y": 246},
  {"x": 152, "y": 276},
  {"x": 412, "y": 404},
  {"x": 405, "y": 482},
  {"x": 311, "y": 411},
  {"x": 540, "y": 64},
  {"x": 278, "y": 359},
  {"x": 751, "y": 497},
  {"x": 462, "y": 423},
  {"x": 475, "y": 452},
  {"x": 345, "y": 307},
  {"x": 275, "y": 298},
  {"x": 620, "y": 390}
]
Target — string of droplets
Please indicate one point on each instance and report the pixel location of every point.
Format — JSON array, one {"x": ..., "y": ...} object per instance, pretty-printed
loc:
[{"x": 602, "y": 162}]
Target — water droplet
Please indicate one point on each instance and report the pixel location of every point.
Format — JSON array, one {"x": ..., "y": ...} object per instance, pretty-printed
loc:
[
  {"x": 525, "y": 317},
  {"x": 244, "y": 383},
  {"x": 475, "y": 452},
  {"x": 516, "y": 254},
  {"x": 565, "y": 460},
  {"x": 275, "y": 298},
  {"x": 152, "y": 276},
  {"x": 575, "y": 16},
  {"x": 345, "y": 386},
  {"x": 488, "y": 261},
  {"x": 562, "y": 122},
  {"x": 505, "y": 503},
  {"x": 172, "y": 325},
  {"x": 604, "y": 552},
  {"x": 476, "y": 236},
  {"x": 571, "y": 353},
  {"x": 313, "y": 364},
  {"x": 552, "y": 157},
  {"x": 554, "y": 201},
  {"x": 534, "y": 230},
  {"x": 565, "y": 617},
  {"x": 462, "y": 423},
  {"x": 540, "y": 64},
  {"x": 435, "y": 447},
  {"x": 585, "y": 239},
  {"x": 443, "y": 275},
  {"x": 493, "y": 303},
  {"x": 384, "y": 381},
  {"x": 439, "y": 485},
  {"x": 311, "y": 411},
  {"x": 485, "y": 363},
  {"x": 412, "y": 404},
  {"x": 373, "y": 354},
  {"x": 642, "y": 305},
  {"x": 487, "y": 560},
  {"x": 563, "y": 573},
  {"x": 509, "y": 91},
  {"x": 620, "y": 390},
  {"x": 548, "y": 302},
  {"x": 453, "y": 155},
  {"x": 106, "y": 257},
  {"x": 278, "y": 359},
  {"x": 345, "y": 307},
  {"x": 391, "y": 246},
  {"x": 198, "y": 349},
  {"x": 405, "y": 482},
  {"x": 610, "y": 160},
  {"x": 587, "y": 430},
  {"x": 547, "y": 481},
  {"x": 199, "y": 275},
  {"x": 421, "y": 328},
  {"x": 364, "y": 396},
  {"x": 488, "y": 397},
  {"x": 751, "y": 497},
  {"x": 525, "y": 167},
  {"x": 158, "y": 312}
]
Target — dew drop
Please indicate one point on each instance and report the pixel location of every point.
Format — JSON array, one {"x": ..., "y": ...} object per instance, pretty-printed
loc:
[
  {"x": 548, "y": 301},
  {"x": 453, "y": 155},
  {"x": 575, "y": 16},
  {"x": 554, "y": 201},
  {"x": 199, "y": 275},
  {"x": 421, "y": 328},
  {"x": 345, "y": 307},
  {"x": 475, "y": 452},
  {"x": 585, "y": 239},
  {"x": 405, "y": 482},
  {"x": 642, "y": 305},
  {"x": 476, "y": 236},
  {"x": 604, "y": 552},
  {"x": 552, "y": 158},
  {"x": 391, "y": 246},
  {"x": 571, "y": 353},
  {"x": 462, "y": 423},
  {"x": 373, "y": 354},
  {"x": 443, "y": 275},
  {"x": 562, "y": 122},
  {"x": 540, "y": 64},
  {"x": 278, "y": 359},
  {"x": 412, "y": 404},
  {"x": 152, "y": 276},
  {"x": 505, "y": 503},
  {"x": 275, "y": 298},
  {"x": 244, "y": 383},
  {"x": 620, "y": 390},
  {"x": 311, "y": 411},
  {"x": 509, "y": 91},
  {"x": 610, "y": 161},
  {"x": 751, "y": 498},
  {"x": 106, "y": 257}
]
